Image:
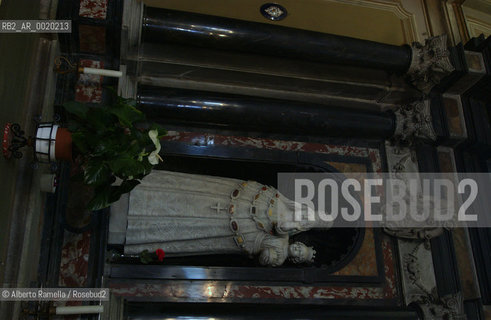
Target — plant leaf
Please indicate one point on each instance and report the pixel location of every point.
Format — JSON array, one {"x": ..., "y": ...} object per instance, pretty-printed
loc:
[
  {"x": 108, "y": 147},
  {"x": 111, "y": 140},
  {"x": 126, "y": 166},
  {"x": 161, "y": 130},
  {"x": 100, "y": 120},
  {"x": 100, "y": 200},
  {"x": 125, "y": 187},
  {"x": 76, "y": 108},
  {"x": 96, "y": 173},
  {"x": 127, "y": 114},
  {"x": 145, "y": 257},
  {"x": 80, "y": 141}
]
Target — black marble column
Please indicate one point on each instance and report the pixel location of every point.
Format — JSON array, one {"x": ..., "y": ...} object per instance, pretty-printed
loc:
[
  {"x": 245, "y": 113},
  {"x": 163, "y": 25}
]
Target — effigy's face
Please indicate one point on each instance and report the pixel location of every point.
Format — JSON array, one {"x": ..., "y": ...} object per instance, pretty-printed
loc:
[{"x": 298, "y": 252}]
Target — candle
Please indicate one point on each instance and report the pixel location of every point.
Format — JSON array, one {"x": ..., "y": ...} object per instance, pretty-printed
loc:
[
  {"x": 47, "y": 182},
  {"x": 80, "y": 309},
  {"x": 101, "y": 72}
]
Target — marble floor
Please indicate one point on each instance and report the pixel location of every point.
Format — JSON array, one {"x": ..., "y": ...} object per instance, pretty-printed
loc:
[{"x": 26, "y": 91}]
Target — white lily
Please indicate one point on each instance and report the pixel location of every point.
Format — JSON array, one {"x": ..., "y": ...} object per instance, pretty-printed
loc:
[{"x": 154, "y": 156}]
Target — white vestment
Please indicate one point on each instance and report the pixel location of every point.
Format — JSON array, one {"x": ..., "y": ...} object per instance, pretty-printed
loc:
[{"x": 187, "y": 214}]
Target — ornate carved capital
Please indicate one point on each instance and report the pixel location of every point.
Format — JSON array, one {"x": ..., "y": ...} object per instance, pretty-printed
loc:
[
  {"x": 413, "y": 121},
  {"x": 449, "y": 307},
  {"x": 430, "y": 63}
]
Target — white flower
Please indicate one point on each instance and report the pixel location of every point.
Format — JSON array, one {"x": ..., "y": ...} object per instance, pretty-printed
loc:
[{"x": 154, "y": 156}]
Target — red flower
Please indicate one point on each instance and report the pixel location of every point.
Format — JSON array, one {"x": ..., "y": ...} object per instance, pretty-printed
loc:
[{"x": 160, "y": 254}]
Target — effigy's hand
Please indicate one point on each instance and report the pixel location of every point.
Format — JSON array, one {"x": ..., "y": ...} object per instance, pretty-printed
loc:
[{"x": 293, "y": 227}]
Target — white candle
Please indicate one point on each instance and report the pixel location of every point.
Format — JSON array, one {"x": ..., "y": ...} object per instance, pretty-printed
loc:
[
  {"x": 47, "y": 182},
  {"x": 102, "y": 72},
  {"x": 80, "y": 309}
]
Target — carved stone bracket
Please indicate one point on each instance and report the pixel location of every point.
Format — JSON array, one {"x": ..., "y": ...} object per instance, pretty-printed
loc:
[
  {"x": 400, "y": 159},
  {"x": 430, "y": 63},
  {"x": 413, "y": 122},
  {"x": 415, "y": 256},
  {"x": 420, "y": 286},
  {"x": 417, "y": 274},
  {"x": 403, "y": 160}
]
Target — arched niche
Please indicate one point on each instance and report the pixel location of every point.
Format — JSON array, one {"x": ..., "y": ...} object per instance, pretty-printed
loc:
[{"x": 335, "y": 247}]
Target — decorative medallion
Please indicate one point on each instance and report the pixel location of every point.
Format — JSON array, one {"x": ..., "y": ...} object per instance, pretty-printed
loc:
[
  {"x": 239, "y": 241},
  {"x": 235, "y": 194},
  {"x": 234, "y": 226},
  {"x": 273, "y": 11}
]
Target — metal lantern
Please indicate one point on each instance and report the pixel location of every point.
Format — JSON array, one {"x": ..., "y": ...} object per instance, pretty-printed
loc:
[{"x": 45, "y": 142}]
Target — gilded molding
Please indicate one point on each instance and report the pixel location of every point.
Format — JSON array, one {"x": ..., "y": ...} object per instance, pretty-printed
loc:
[{"x": 407, "y": 18}]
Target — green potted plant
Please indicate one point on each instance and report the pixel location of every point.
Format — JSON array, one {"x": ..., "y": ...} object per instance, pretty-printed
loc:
[{"x": 112, "y": 143}]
